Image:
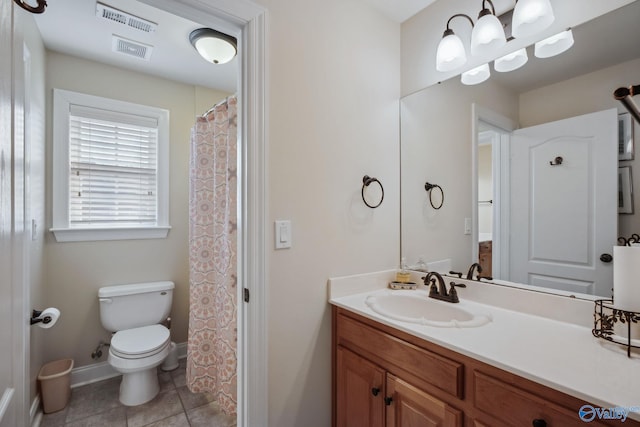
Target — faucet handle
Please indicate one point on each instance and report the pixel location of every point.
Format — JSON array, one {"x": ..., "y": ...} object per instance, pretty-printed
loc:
[
  {"x": 456, "y": 273},
  {"x": 453, "y": 294}
]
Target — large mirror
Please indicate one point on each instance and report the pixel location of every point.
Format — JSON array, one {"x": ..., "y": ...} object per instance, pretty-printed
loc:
[{"x": 509, "y": 214}]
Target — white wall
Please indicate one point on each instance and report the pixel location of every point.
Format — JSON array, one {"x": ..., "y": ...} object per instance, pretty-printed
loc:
[
  {"x": 76, "y": 270},
  {"x": 422, "y": 33},
  {"x": 586, "y": 94},
  {"x": 334, "y": 85},
  {"x": 485, "y": 189},
  {"x": 436, "y": 127}
]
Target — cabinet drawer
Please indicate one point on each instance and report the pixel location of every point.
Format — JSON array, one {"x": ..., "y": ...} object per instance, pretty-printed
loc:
[
  {"x": 388, "y": 351},
  {"x": 516, "y": 407}
]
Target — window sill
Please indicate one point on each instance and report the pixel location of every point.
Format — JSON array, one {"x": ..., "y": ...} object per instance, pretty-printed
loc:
[{"x": 95, "y": 234}]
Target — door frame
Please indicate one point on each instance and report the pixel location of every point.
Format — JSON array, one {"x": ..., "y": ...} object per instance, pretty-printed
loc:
[
  {"x": 246, "y": 21},
  {"x": 500, "y": 158}
]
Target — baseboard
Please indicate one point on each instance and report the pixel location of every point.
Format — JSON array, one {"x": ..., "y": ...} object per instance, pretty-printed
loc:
[{"x": 101, "y": 371}]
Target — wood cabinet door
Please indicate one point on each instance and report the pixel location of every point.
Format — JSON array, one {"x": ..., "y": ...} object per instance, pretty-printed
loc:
[
  {"x": 412, "y": 407},
  {"x": 360, "y": 391}
]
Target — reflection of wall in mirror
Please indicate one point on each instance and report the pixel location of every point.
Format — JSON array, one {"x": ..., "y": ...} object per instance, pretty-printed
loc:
[
  {"x": 485, "y": 193},
  {"x": 436, "y": 147},
  {"x": 581, "y": 95}
]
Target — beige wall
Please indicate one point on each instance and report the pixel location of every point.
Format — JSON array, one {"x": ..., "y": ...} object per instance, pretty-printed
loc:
[
  {"x": 333, "y": 88},
  {"x": 35, "y": 198},
  {"x": 75, "y": 271},
  {"x": 436, "y": 127},
  {"x": 485, "y": 189},
  {"x": 586, "y": 94},
  {"x": 422, "y": 33}
]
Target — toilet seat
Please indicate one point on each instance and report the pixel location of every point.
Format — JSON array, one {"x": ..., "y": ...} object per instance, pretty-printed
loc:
[{"x": 140, "y": 342}]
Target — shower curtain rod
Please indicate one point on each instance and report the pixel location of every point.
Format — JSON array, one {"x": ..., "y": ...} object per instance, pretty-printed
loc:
[{"x": 624, "y": 94}]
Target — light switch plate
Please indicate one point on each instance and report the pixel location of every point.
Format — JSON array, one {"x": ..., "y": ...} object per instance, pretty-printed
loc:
[
  {"x": 283, "y": 234},
  {"x": 467, "y": 226}
]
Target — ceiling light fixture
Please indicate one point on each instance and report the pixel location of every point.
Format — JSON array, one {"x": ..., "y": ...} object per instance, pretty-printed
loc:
[
  {"x": 511, "y": 61},
  {"x": 488, "y": 34},
  {"x": 476, "y": 75},
  {"x": 554, "y": 45},
  {"x": 214, "y": 46},
  {"x": 530, "y": 17},
  {"x": 451, "y": 54}
]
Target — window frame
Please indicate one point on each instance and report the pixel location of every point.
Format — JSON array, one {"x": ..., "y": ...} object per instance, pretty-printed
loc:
[{"x": 62, "y": 101}]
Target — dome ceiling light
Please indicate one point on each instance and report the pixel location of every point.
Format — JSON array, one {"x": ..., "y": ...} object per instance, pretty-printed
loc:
[{"x": 214, "y": 46}]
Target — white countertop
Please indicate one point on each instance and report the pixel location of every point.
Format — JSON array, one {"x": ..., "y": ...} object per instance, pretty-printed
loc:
[{"x": 558, "y": 351}]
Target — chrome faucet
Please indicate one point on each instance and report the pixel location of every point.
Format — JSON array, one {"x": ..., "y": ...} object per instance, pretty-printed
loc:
[
  {"x": 474, "y": 266},
  {"x": 438, "y": 289}
]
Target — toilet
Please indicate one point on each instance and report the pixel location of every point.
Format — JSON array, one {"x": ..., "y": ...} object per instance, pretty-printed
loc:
[{"x": 140, "y": 342}]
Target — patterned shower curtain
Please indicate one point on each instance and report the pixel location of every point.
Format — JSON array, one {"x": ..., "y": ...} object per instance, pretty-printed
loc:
[{"x": 212, "y": 346}]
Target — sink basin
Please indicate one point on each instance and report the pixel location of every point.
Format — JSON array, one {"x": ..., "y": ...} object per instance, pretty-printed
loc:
[{"x": 422, "y": 310}]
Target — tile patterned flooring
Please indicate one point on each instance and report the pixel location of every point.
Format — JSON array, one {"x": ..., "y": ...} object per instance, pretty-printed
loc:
[{"x": 97, "y": 405}]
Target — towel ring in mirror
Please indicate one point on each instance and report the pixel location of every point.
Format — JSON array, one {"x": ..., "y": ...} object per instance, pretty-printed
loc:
[
  {"x": 429, "y": 187},
  {"x": 33, "y": 9},
  {"x": 366, "y": 180}
]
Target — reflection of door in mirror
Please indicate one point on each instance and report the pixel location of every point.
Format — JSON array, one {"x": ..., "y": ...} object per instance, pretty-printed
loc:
[{"x": 563, "y": 213}]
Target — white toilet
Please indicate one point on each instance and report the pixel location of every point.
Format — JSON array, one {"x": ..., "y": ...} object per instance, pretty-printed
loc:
[{"x": 140, "y": 343}]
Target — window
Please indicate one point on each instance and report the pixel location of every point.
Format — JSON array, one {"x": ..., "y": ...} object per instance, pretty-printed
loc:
[{"x": 110, "y": 169}]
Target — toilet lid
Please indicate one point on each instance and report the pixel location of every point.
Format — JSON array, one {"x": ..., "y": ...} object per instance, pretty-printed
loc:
[{"x": 140, "y": 340}]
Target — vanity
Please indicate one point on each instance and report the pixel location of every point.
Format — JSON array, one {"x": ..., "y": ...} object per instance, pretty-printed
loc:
[{"x": 527, "y": 366}]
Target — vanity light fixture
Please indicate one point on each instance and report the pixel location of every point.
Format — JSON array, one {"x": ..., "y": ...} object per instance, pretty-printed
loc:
[
  {"x": 554, "y": 45},
  {"x": 450, "y": 53},
  {"x": 214, "y": 46},
  {"x": 511, "y": 61},
  {"x": 476, "y": 75},
  {"x": 488, "y": 34},
  {"x": 530, "y": 17}
]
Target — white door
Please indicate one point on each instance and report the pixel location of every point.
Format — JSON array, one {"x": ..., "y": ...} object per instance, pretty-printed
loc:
[
  {"x": 13, "y": 286},
  {"x": 564, "y": 211}
]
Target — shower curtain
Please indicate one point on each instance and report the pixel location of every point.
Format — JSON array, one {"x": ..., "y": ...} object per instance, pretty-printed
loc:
[{"x": 212, "y": 344}]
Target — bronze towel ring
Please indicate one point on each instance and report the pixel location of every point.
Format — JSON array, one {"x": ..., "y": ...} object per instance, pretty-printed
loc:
[
  {"x": 429, "y": 187},
  {"x": 366, "y": 180}
]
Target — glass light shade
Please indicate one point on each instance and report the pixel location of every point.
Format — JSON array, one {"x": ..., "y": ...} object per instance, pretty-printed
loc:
[
  {"x": 511, "y": 61},
  {"x": 530, "y": 17},
  {"x": 554, "y": 45},
  {"x": 476, "y": 75},
  {"x": 487, "y": 35},
  {"x": 450, "y": 54},
  {"x": 213, "y": 46}
]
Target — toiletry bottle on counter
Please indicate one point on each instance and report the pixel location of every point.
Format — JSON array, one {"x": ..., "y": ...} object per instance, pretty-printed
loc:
[{"x": 403, "y": 275}]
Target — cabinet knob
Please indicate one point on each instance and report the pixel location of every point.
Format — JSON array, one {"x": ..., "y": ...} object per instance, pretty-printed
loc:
[
  {"x": 539, "y": 423},
  {"x": 375, "y": 391},
  {"x": 388, "y": 400}
]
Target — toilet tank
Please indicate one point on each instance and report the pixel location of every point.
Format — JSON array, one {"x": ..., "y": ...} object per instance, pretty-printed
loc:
[{"x": 135, "y": 305}]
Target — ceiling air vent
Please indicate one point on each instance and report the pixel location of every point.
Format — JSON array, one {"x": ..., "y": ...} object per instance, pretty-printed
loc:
[
  {"x": 131, "y": 48},
  {"x": 114, "y": 15}
]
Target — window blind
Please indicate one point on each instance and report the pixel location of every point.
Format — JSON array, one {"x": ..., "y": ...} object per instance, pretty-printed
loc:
[{"x": 113, "y": 168}]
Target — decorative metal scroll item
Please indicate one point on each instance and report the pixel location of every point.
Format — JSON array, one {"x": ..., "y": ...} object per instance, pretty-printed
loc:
[
  {"x": 429, "y": 187},
  {"x": 605, "y": 316},
  {"x": 628, "y": 241},
  {"x": 366, "y": 181},
  {"x": 39, "y": 8},
  {"x": 557, "y": 161}
]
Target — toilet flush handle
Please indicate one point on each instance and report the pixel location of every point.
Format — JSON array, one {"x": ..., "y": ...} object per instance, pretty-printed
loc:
[{"x": 106, "y": 300}]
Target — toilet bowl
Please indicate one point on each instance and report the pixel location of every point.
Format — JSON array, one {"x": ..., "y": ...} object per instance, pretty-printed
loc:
[
  {"x": 136, "y": 353},
  {"x": 139, "y": 343}
]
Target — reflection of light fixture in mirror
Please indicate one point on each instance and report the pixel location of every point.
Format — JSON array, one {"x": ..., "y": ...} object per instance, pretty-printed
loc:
[
  {"x": 451, "y": 54},
  {"x": 531, "y": 17},
  {"x": 214, "y": 46},
  {"x": 488, "y": 33},
  {"x": 476, "y": 75},
  {"x": 554, "y": 45},
  {"x": 511, "y": 61}
]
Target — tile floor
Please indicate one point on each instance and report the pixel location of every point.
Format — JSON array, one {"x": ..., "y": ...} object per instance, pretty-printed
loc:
[{"x": 97, "y": 405}]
